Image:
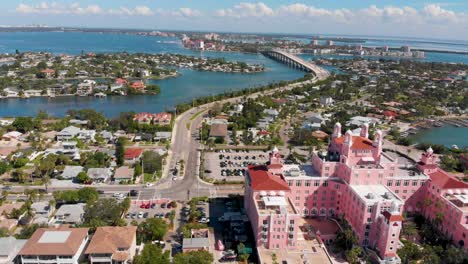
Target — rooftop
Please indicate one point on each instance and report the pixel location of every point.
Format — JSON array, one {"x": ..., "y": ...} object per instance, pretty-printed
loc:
[
  {"x": 371, "y": 194},
  {"x": 108, "y": 239},
  {"x": 296, "y": 171},
  {"x": 196, "y": 242},
  {"x": 270, "y": 204},
  {"x": 262, "y": 180},
  {"x": 51, "y": 241}
]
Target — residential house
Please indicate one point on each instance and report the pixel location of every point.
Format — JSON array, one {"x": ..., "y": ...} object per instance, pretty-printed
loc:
[
  {"x": 85, "y": 88},
  {"x": 32, "y": 93},
  {"x": 162, "y": 119},
  {"x": 71, "y": 132},
  {"x": 218, "y": 131},
  {"x": 99, "y": 174},
  {"x": 55, "y": 245},
  {"x": 11, "y": 92},
  {"x": 70, "y": 214},
  {"x": 48, "y": 73},
  {"x": 112, "y": 244},
  {"x": 271, "y": 113},
  {"x": 9, "y": 248},
  {"x": 160, "y": 136},
  {"x": 133, "y": 154},
  {"x": 68, "y": 133},
  {"x": 326, "y": 100},
  {"x": 107, "y": 136},
  {"x": 42, "y": 212},
  {"x": 361, "y": 120},
  {"x": 138, "y": 86},
  {"x": 124, "y": 173},
  {"x": 12, "y": 136},
  {"x": 55, "y": 90},
  {"x": 5, "y": 210},
  {"x": 71, "y": 172}
]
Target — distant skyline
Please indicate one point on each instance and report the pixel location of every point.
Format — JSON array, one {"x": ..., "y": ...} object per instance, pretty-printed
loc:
[{"x": 416, "y": 18}]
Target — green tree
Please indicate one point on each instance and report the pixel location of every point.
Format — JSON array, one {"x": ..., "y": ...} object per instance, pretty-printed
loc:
[
  {"x": 4, "y": 232},
  {"x": 4, "y": 167},
  {"x": 429, "y": 256},
  {"x": 27, "y": 231},
  {"x": 24, "y": 124},
  {"x": 152, "y": 254},
  {"x": 409, "y": 253},
  {"x": 352, "y": 255},
  {"x": 194, "y": 257},
  {"x": 152, "y": 162},
  {"x": 83, "y": 177},
  {"x": 104, "y": 212},
  {"x": 120, "y": 150},
  {"x": 346, "y": 239},
  {"x": 152, "y": 229}
]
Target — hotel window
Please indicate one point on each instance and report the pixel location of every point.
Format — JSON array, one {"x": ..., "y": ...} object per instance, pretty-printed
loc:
[
  {"x": 389, "y": 183},
  {"x": 422, "y": 183},
  {"x": 404, "y": 197},
  {"x": 337, "y": 186},
  {"x": 307, "y": 183},
  {"x": 406, "y": 183},
  {"x": 298, "y": 198},
  {"x": 291, "y": 222},
  {"x": 298, "y": 183},
  {"x": 325, "y": 183},
  {"x": 415, "y": 183},
  {"x": 290, "y": 183},
  {"x": 316, "y": 183},
  {"x": 397, "y": 191},
  {"x": 315, "y": 192},
  {"x": 405, "y": 191},
  {"x": 380, "y": 175},
  {"x": 306, "y": 192},
  {"x": 398, "y": 183},
  {"x": 327, "y": 168},
  {"x": 369, "y": 209}
]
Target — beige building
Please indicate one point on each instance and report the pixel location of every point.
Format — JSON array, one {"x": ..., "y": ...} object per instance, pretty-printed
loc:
[{"x": 112, "y": 244}]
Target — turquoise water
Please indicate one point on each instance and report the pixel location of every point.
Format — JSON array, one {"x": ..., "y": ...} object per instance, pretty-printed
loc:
[
  {"x": 446, "y": 135},
  {"x": 189, "y": 85}
]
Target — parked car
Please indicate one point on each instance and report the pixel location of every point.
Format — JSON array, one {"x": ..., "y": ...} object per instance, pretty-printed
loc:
[
  {"x": 140, "y": 215},
  {"x": 163, "y": 205},
  {"x": 133, "y": 193}
]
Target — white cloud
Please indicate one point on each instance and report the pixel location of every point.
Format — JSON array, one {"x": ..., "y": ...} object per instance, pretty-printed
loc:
[
  {"x": 388, "y": 14},
  {"x": 246, "y": 10},
  {"x": 187, "y": 12},
  {"x": 57, "y": 8},
  {"x": 137, "y": 11}
]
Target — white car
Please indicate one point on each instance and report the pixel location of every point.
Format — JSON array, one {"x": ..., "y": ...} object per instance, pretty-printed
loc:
[
  {"x": 149, "y": 184},
  {"x": 204, "y": 220},
  {"x": 116, "y": 195},
  {"x": 140, "y": 215},
  {"x": 174, "y": 178}
]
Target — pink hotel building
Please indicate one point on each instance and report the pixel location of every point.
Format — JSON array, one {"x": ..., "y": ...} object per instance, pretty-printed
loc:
[{"x": 357, "y": 180}]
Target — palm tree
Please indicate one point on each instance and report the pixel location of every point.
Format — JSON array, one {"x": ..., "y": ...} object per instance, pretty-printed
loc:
[{"x": 45, "y": 180}]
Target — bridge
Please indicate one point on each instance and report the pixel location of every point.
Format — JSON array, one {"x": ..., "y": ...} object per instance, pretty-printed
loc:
[{"x": 296, "y": 62}]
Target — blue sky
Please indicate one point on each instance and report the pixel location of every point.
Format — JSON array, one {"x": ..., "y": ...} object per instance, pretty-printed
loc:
[{"x": 439, "y": 19}]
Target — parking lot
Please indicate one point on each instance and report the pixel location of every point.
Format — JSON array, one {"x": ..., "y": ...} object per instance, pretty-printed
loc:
[
  {"x": 231, "y": 165},
  {"x": 140, "y": 211}
]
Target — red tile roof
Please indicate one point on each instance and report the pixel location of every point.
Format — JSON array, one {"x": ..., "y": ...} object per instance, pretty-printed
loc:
[
  {"x": 442, "y": 179},
  {"x": 138, "y": 85},
  {"x": 392, "y": 218},
  {"x": 262, "y": 180},
  {"x": 132, "y": 153},
  {"x": 390, "y": 113},
  {"x": 358, "y": 142}
]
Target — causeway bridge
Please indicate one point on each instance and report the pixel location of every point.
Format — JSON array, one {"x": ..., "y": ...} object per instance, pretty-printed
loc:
[{"x": 296, "y": 62}]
